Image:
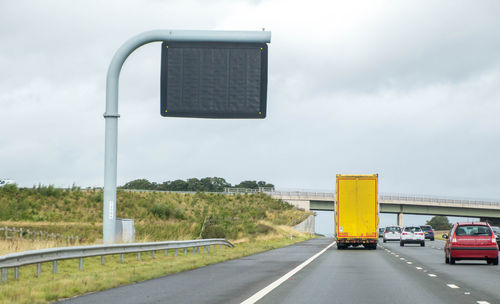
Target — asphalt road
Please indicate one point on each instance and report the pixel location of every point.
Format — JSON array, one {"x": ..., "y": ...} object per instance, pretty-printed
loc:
[
  {"x": 390, "y": 274},
  {"x": 228, "y": 282}
]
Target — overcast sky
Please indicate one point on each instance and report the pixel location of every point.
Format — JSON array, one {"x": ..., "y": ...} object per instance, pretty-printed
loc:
[{"x": 406, "y": 89}]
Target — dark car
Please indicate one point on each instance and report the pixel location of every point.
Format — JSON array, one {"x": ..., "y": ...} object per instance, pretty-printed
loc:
[
  {"x": 471, "y": 241},
  {"x": 381, "y": 232},
  {"x": 428, "y": 231},
  {"x": 496, "y": 231}
]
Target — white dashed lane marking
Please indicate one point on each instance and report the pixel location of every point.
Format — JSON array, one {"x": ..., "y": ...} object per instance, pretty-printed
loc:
[
  {"x": 419, "y": 268},
  {"x": 432, "y": 275},
  {"x": 452, "y": 286}
]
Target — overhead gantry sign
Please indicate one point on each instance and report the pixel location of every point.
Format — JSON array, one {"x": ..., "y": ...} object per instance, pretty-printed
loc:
[{"x": 205, "y": 74}]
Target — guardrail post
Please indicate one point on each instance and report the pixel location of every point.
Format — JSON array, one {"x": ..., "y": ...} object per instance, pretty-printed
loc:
[
  {"x": 5, "y": 275},
  {"x": 185, "y": 251},
  {"x": 54, "y": 267},
  {"x": 194, "y": 250},
  {"x": 153, "y": 254},
  {"x": 122, "y": 258},
  {"x": 102, "y": 260},
  {"x": 175, "y": 252},
  {"x": 208, "y": 249},
  {"x": 215, "y": 248},
  {"x": 80, "y": 264},
  {"x": 166, "y": 252},
  {"x": 138, "y": 256},
  {"x": 16, "y": 273},
  {"x": 38, "y": 269}
]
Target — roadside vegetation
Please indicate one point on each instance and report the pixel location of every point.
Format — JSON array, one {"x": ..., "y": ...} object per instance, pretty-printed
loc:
[
  {"x": 157, "y": 215},
  {"x": 253, "y": 222},
  {"x": 206, "y": 184},
  {"x": 69, "y": 281}
]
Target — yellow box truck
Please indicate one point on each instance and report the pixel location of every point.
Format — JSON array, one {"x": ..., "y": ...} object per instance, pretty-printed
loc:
[{"x": 356, "y": 211}]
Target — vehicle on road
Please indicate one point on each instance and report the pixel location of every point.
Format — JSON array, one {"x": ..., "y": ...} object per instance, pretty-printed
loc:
[
  {"x": 428, "y": 231},
  {"x": 381, "y": 232},
  {"x": 392, "y": 233},
  {"x": 6, "y": 181},
  {"x": 412, "y": 235},
  {"x": 496, "y": 231},
  {"x": 356, "y": 211},
  {"x": 471, "y": 241}
]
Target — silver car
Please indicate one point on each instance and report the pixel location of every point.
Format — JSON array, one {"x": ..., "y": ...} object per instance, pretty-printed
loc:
[{"x": 392, "y": 233}]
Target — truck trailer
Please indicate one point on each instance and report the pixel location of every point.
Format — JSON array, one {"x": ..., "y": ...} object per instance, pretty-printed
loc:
[{"x": 357, "y": 211}]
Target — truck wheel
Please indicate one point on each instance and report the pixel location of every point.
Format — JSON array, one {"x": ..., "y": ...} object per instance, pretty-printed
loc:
[
  {"x": 432, "y": 239},
  {"x": 452, "y": 261},
  {"x": 385, "y": 241},
  {"x": 401, "y": 244},
  {"x": 495, "y": 261},
  {"x": 422, "y": 244}
]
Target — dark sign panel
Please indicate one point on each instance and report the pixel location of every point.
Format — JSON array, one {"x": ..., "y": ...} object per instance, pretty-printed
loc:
[{"x": 213, "y": 80}]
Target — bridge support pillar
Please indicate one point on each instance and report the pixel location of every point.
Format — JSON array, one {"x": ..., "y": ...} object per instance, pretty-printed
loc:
[{"x": 400, "y": 219}]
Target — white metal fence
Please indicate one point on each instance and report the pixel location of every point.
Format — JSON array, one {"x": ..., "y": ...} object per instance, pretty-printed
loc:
[{"x": 9, "y": 233}]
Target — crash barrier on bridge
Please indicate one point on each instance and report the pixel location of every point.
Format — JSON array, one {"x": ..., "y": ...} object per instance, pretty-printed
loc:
[
  {"x": 272, "y": 191},
  {"x": 10, "y": 233},
  {"x": 16, "y": 260},
  {"x": 436, "y": 199}
]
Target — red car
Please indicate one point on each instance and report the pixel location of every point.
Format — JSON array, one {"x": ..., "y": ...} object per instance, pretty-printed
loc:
[{"x": 471, "y": 241}]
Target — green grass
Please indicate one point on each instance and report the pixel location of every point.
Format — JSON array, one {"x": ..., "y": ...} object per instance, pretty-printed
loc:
[
  {"x": 255, "y": 222},
  {"x": 69, "y": 281},
  {"x": 157, "y": 215}
]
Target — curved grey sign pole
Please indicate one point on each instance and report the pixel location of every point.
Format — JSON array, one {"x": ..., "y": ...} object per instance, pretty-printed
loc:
[{"x": 111, "y": 115}]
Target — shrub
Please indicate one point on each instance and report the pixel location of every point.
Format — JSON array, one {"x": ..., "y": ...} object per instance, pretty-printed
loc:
[
  {"x": 161, "y": 210},
  {"x": 213, "y": 232},
  {"x": 10, "y": 189}
]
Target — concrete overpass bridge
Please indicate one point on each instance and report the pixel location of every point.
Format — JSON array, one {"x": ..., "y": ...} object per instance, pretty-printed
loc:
[{"x": 400, "y": 204}]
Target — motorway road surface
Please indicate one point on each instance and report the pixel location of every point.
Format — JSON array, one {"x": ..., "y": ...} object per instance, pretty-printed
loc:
[{"x": 390, "y": 274}]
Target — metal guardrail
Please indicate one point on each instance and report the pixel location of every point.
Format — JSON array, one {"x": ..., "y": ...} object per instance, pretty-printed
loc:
[
  {"x": 437, "y": 199},
  {"x": 16, "y": 260},
  {"x": 302, "y": 194}
]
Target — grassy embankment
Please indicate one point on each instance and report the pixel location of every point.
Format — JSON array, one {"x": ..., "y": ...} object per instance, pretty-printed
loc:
[
  {"x": 254, "y": 222},
  {"x": 438, "y": 234}
]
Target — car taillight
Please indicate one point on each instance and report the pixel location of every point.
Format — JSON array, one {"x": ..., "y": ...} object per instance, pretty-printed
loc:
[
  {"x": 404, "y": 233},
  {"x": 420, "y": 233},
  {"x": 431, "y": 231}
]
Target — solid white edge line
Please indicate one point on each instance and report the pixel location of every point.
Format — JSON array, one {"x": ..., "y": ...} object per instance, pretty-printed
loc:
[{"x": 260, "y": 294}]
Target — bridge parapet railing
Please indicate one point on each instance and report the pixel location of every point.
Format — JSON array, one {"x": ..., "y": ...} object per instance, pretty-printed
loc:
[
  {"x": 437, "y": 199},
  {"x": 303, "y": 194}
]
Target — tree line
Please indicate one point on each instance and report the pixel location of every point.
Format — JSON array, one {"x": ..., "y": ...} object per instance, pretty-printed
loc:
[{"x": 206, "y": 184}]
